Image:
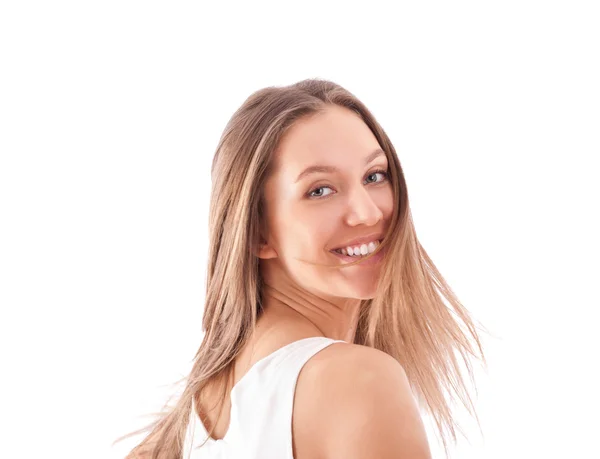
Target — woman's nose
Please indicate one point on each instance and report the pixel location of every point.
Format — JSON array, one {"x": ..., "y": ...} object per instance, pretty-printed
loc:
[{"x": 362, "y": 209}]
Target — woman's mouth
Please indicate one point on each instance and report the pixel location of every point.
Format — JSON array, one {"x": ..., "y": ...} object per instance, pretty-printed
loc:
[{"x": 362, "y": 251}]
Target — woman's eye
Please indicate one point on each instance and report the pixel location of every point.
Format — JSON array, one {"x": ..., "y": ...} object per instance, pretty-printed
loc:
[
  {"x": 383, "y": 173},
  {"x": 317, "y": 189},
  {"x": 314, "y": 193}
]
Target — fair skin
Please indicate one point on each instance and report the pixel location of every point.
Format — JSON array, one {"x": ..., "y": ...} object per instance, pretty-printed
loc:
[
  {"x": 352, "y": 202},
  {"x": 363, "y": 407},
  {"x": 305, "y": 219}
]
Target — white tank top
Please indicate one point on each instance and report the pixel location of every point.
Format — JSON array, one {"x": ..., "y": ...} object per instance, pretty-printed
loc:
[{"x": 260, "y": 423}]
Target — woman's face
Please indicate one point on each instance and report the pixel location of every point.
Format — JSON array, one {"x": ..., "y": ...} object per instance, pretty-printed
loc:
[{"x": 310, "y": 212}]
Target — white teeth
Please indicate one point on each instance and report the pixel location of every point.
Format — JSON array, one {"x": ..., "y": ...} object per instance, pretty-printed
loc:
[{"x": 361, "y": 250}]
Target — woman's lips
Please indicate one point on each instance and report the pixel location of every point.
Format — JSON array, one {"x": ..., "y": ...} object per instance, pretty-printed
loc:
[{"x": 371, "y": 261}]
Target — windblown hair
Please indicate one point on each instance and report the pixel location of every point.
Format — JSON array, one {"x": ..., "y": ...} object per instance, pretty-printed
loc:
[{"x": 415, "y": 317}]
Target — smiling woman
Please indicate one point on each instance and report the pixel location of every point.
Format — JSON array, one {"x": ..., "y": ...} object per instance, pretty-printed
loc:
[{"x": 326, "y": 323}]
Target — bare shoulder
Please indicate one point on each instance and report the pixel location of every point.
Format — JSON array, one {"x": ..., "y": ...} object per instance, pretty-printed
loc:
[{"x": 355, "y": 402}]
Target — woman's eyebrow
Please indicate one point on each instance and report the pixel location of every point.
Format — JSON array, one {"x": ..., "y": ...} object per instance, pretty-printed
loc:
[{"x": 329, "y": 169}]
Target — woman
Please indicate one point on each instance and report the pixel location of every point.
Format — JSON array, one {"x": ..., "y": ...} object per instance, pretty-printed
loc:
[{"x": 323, "y": 312}]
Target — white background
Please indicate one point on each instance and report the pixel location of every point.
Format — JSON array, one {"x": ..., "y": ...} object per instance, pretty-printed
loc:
[{"x": 110, "y": 113}]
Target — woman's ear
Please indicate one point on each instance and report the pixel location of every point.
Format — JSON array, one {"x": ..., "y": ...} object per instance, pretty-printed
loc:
[{"x": 265, "y": 251}]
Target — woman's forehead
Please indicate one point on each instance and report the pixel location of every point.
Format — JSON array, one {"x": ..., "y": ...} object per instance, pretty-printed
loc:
[{"x": 335, "y": 138}]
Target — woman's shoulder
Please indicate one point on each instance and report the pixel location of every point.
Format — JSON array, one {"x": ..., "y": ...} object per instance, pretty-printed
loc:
[
  {"x": 346, "y": 359},
  {"x": 331, "y": 384},
  {"x": 356, "y": 402}
]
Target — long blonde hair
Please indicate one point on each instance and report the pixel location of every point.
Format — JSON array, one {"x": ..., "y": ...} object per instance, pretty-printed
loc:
[{"x": 408, "y": 318}]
